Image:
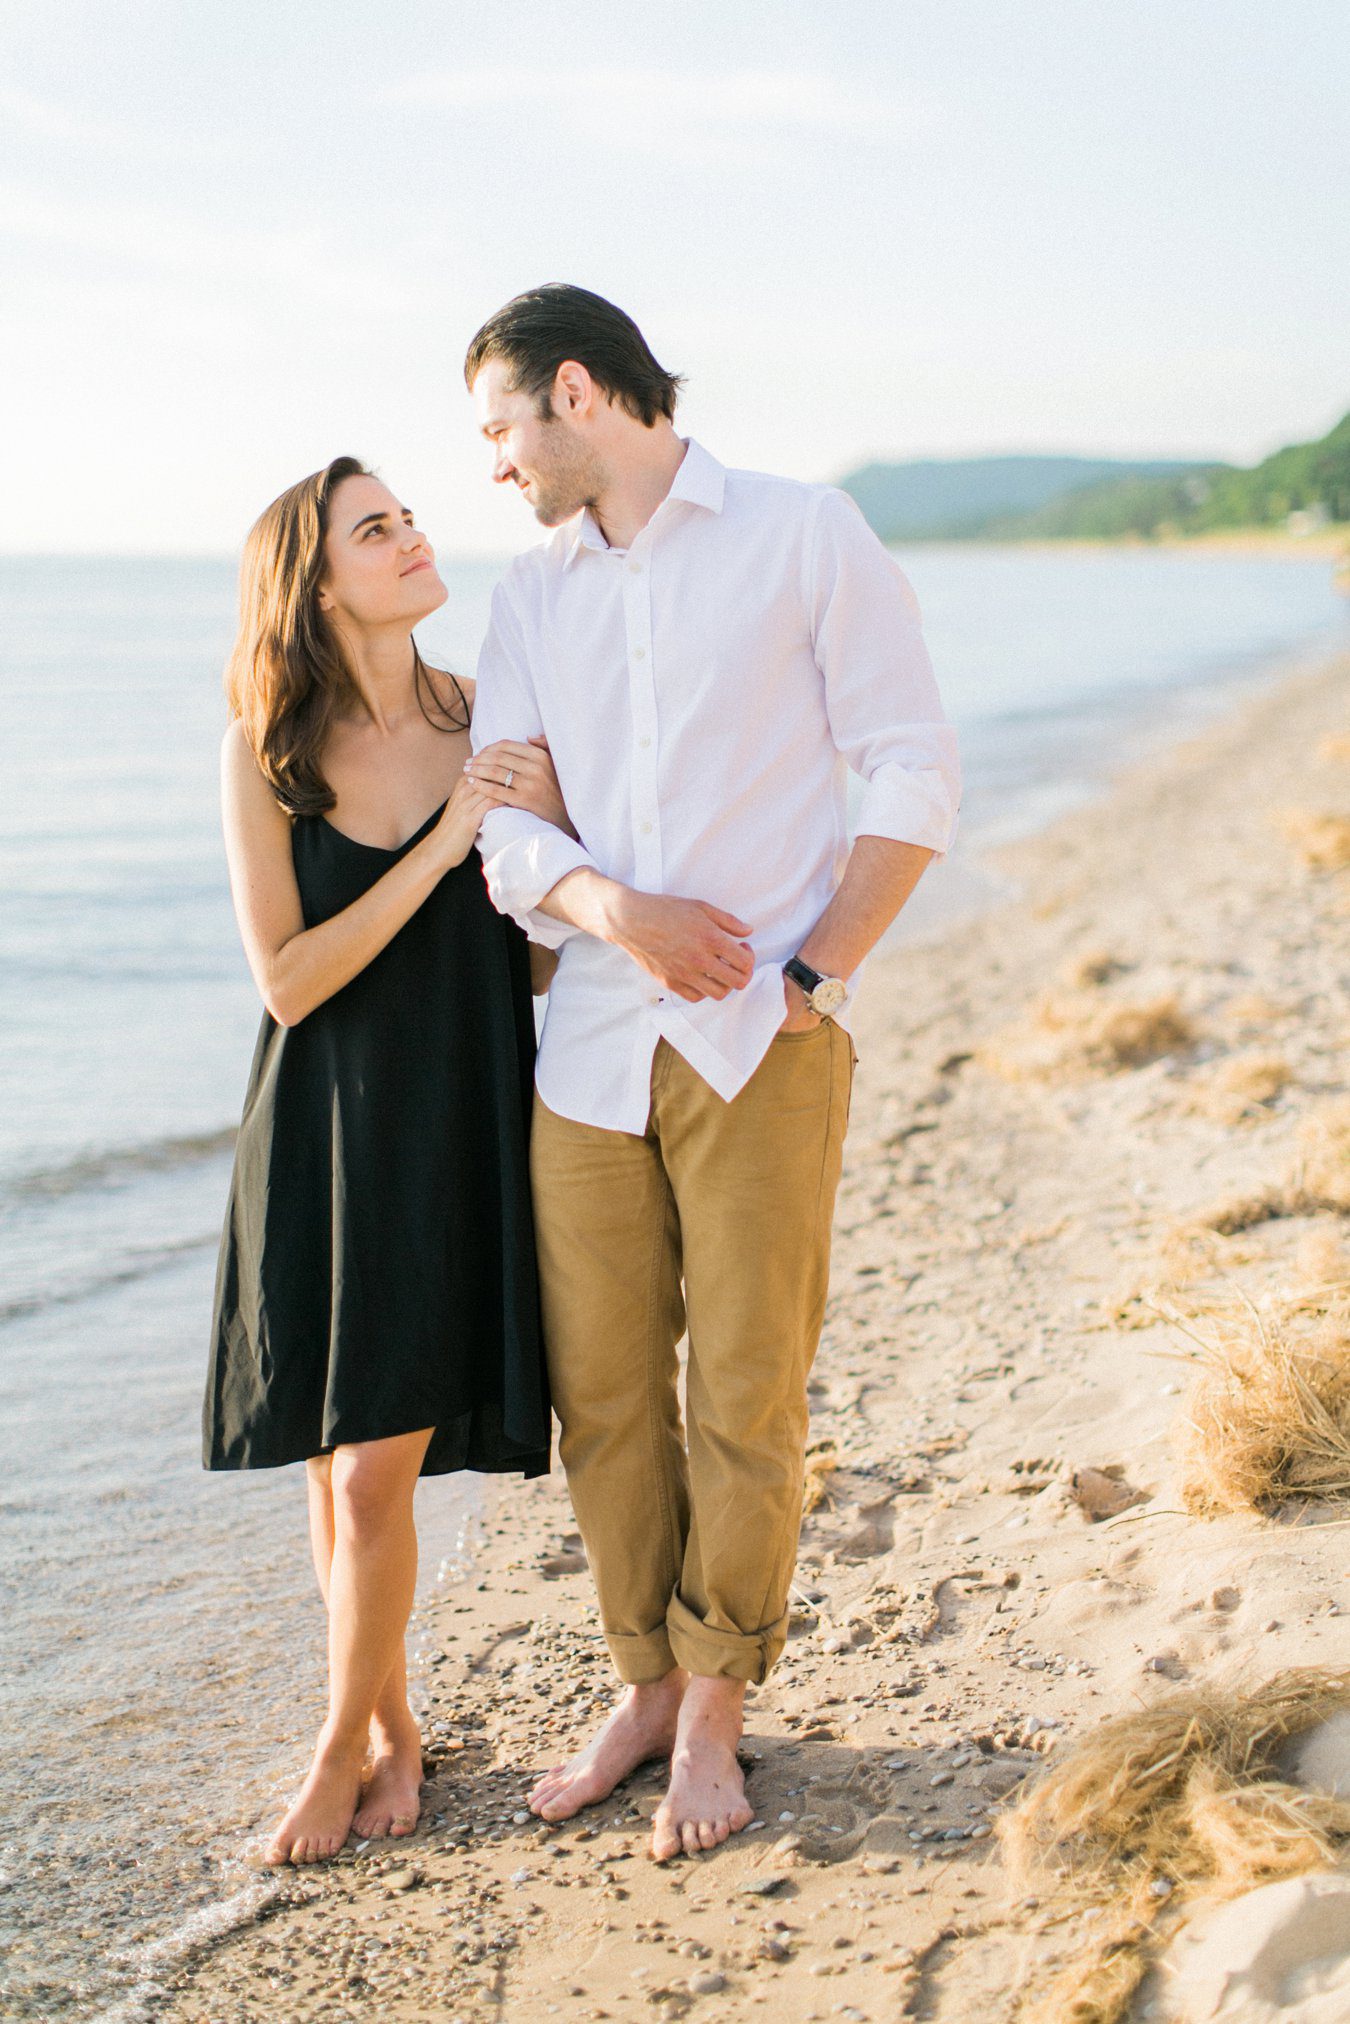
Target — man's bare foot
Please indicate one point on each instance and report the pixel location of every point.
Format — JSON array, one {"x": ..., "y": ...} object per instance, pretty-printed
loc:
[
  {"x": 314, "y": 1829},
  {"x": 706, "y": 1801},
  {"x": 391, "y": 1796},
  {"x": 642, "y": 1726}
]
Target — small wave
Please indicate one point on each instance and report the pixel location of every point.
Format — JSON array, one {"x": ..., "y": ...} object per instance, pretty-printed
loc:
[
  {"x": 113, "y": 1163},
  {"x": 153, "y": 1963},
  {"x": 141, "y": 1266}
]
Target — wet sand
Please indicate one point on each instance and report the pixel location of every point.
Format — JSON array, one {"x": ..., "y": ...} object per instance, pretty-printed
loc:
[{"x": 1002, "y": 1247}]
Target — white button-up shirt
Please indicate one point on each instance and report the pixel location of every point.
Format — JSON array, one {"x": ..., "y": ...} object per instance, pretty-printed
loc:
[{"x": 704, "y": 693}]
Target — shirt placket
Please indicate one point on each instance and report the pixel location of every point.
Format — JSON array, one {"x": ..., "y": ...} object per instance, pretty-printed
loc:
[{"x": 642, "y": 758}]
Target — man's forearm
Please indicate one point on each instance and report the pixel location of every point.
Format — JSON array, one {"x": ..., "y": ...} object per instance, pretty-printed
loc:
[
  {"x": 585, "y": 899},
  {"x": 878, "y": 879},
  {"x": 692, "y": 948}
]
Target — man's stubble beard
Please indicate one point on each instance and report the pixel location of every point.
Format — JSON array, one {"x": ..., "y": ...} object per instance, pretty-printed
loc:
[{"x": 566, "y": 483}]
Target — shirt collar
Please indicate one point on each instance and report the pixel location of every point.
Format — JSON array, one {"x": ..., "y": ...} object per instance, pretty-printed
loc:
[{"x": 700, "y": 481}]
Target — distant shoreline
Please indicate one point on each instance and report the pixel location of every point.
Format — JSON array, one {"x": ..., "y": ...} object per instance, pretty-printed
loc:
[{"x": 1328, "y": 544}]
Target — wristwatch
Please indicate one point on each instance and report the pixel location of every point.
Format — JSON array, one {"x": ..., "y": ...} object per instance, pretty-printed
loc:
[{"x": 823, "y": 994}]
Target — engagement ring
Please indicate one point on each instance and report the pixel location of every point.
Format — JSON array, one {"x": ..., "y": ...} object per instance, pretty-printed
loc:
[{"x": 510, "y": 776}]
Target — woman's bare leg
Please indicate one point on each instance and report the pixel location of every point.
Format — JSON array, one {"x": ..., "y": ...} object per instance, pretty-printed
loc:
[
  {"x": 371, "y": 1579},
  {"x": 390, "y": 1798}
]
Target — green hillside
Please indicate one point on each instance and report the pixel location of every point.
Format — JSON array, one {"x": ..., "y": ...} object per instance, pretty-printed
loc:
[
  {"x": 932, "y": 499},
  {"x": 1206, "y": 498}
]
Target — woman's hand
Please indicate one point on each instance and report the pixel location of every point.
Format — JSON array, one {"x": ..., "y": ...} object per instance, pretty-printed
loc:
[
  {"x": 512, "y": 774},
  {"x": 298, "y": 968},
  {"x": 457, "y": 831}
]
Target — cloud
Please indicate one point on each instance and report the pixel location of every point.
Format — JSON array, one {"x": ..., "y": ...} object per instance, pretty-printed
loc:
[
  {"x": 72, "y": 127},
  {"x": 118, "y": 247},
  {"x": 651, "y": 108}
]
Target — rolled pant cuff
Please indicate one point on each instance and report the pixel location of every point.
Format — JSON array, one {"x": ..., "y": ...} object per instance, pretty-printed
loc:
[
  {"x": 723, "y": 1654},
  {"x": 642, "y": 1656}
]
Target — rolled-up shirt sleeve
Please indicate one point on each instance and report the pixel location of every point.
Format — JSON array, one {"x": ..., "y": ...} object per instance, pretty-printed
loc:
[
  {"x": 885, "y": 714},
  {"x": 523, "y": 856}
]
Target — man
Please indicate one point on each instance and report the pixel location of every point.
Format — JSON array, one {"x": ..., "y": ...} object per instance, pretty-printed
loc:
[{"x": 707, "y": 652}]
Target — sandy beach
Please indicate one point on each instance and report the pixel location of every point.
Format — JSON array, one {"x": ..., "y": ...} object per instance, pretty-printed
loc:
[{"x": 1053, "y": 1103}]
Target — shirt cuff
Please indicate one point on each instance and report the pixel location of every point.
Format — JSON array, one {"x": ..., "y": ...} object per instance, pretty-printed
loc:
[
  {"x": 909, "y": 805},
  {"x": 527, "y": 868}
]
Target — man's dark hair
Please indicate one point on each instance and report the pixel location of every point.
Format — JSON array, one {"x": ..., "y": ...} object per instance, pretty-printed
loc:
[{"x": 536, "y": 331}]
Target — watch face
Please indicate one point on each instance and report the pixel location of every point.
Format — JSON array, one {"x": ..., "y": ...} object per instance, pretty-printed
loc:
[{"x": 828, "y": 996}]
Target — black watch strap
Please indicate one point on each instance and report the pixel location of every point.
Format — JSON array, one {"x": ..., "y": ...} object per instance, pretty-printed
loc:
[{"x": 802, "y": 974}]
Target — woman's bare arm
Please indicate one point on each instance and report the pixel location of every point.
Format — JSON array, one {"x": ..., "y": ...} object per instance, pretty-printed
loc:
[
  {"x": 543, "y": 962},
  {"x": 295, "y": 967}
]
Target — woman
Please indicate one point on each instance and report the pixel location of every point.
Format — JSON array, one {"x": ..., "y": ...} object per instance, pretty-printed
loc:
[{"x": 376, "y": 1310}]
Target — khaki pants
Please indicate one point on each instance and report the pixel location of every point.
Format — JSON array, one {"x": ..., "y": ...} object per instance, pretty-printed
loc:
[{"x": 692, "y": 1547}]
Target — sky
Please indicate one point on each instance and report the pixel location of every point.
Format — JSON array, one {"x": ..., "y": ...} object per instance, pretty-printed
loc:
[{"x": 238, "y": 238}]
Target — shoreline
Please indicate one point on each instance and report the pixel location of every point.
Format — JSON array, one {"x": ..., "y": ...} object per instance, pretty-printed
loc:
[
  {"x": 957, "y": 1614},
  {"x": 1328, "y": 544}
]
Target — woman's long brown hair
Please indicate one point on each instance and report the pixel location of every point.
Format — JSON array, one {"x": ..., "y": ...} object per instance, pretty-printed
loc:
[{"x": 286, "y": 678}]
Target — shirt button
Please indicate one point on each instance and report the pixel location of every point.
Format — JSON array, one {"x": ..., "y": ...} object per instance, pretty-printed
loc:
[
  {"x": 636, "y": 568},
  {"x": 644, "y": 743},
  {"x": 639, "y": 653}
]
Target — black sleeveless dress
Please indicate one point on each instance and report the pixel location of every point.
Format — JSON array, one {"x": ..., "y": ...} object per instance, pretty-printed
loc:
[{"x": 377, "y": 1270}]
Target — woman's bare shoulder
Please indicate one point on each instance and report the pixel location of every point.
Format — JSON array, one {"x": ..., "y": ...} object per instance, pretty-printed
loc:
[
  {"x": 237, "y": 757},
  {"x": 248, "y": 794}
]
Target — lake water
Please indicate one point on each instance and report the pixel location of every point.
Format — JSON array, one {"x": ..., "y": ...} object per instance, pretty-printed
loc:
[{"x": 161, "y": 1652}]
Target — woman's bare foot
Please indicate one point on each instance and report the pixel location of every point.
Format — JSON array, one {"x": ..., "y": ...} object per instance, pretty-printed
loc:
[
  {"x": 705, "y": 1802},
  {"x": 642, "y": 1726},
  {"x": 391, "y": 1796},
  {"x": 314, "y": 1829}
]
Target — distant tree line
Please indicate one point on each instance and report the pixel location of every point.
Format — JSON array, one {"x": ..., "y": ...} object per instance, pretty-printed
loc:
[
  {"x": 1304, "y": 478},
  {"x": 1046, "y": 498}
]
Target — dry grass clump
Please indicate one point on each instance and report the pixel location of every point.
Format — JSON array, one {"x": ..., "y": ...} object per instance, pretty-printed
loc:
[
  {"x": 1157, "y": 1805},
  {"x": 1318, "y": 1185},
  {"x": 1324, "y": 1143},
  {"x": 1321, "y": 1259},
  {"x": 1269, "y": 1418},
  {"x": 821, "y": 1463},
  {"x": 1236, "y": 1213},
  {"x": 1239, "y": 1090},
  {"x": 1097, "y": 966},
  {"x": 1077, "y": 1033},
  {"x": 1197, "y": 1250},
  {"x": 1253, "y": 1008},
  {"x": 1322, "y": 842}
]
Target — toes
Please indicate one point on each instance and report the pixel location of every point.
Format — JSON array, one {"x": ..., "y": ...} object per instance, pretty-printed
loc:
[
  {"x": 689, "y": 1837},
  {"x": 709, "y": 1836},
  {"x": 665, "y": 1840}
]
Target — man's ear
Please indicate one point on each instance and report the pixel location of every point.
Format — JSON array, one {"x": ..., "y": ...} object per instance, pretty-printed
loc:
[{"x": 573, "y": 388}]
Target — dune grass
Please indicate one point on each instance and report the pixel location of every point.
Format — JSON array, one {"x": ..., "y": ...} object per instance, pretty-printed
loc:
[
  {"x": 1072, "y": 1033},
  {"x": 1153, "y": 1808},
  {"x": 1320, "y": 841},
  {"x": 1240, "y": 1089},
  {"x": 1269, "y": 1417},
  {"x": 821, "y": 1463}
]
